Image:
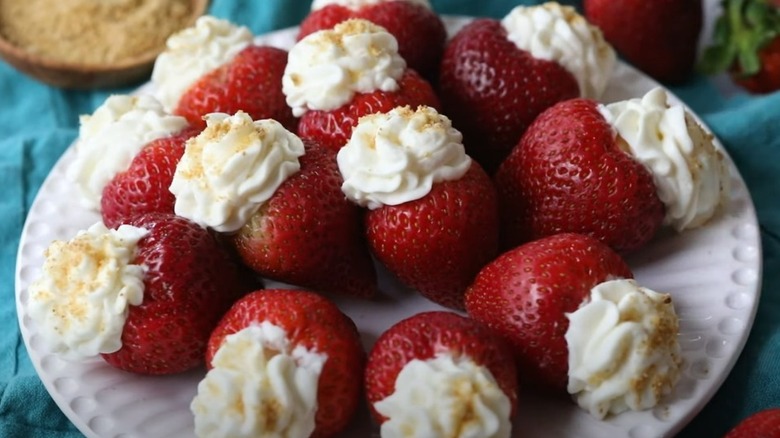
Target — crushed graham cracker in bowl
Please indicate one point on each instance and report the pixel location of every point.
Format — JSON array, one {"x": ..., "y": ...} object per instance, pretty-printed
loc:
[{"x": 90, "y": 43}]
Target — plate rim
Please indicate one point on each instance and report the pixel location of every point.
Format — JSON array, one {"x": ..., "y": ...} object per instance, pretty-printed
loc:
[{"x": 450, "y": 20}]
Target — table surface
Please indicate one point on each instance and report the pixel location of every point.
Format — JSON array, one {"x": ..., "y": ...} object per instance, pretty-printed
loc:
[{"x": 37, "y": 123}]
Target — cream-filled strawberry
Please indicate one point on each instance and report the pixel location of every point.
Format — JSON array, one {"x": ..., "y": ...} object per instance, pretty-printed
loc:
[
  {"x": 145, "y": 296},
  {"x": 112, "y": 136},
  {"x": 282, "y": 363},
  {"x": 231, "y": 168},
  {"x": 144, "y": 186},
  {"x": 440, "y": 374},
  {"x": 420, "y": 32},
  {"x": 496, "y": 76},
  {"x": 432, "y": 216},
  {"x": 616, "y": 172},
  {"x": 689, "y": 172},
  {"x": 335, "y": 76},
  {"x": 279, "y": 200},
  {"x": 578, "y": 322},
  {"x": 623, "y": 348},
  {"x": 214, "y": 66}
]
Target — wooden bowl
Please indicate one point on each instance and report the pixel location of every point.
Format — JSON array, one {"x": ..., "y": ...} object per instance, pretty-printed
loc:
[{"x": 83, "y": 76}]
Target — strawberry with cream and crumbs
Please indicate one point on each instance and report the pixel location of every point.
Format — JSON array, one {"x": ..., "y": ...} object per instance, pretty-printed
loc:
[
  {"x": 420, "y": 32},
  {"x": 616, "y": 172},
  {"x": 441, "y": 374},
  {"x": 214, "y": 66},
  {"x": 432, "y": 216},
  {"x": 280, "y": 363},
  {"x": 335, "y": 76},
  {"x": 579, "y": 323},
  {"x": 145, "y": 296},
  {"x": 496, "y": 76},
  {"x": 277, "y": 201}
]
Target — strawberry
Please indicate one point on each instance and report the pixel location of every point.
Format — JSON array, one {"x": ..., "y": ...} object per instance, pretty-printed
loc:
[
  {"x": 143, "y": 187},
  {"x": 189, "y": 283},
  {"x": 497, "y": 76},
  {"x": 484, "y": 79},
  {"x": 308, "y": 233},
  {"x": 746, "y": 43},
  {"x": 430, "y": 353},
  {"x": 569, "y": 173},
  {"x": 313, "y": 332},
  {"x": 525, "y": 294},
  {"x": 659, "y": 37},
  {"x": 765, "y": 423},
  {"x": 438, "y": 243},
  {"x": 419, "y": 30},
  {"x": 335, "y": 76},
  {"x": 432, "y": 216},
  {"x": 333, "y": 128},
  {"x": 250, "y": 82}
]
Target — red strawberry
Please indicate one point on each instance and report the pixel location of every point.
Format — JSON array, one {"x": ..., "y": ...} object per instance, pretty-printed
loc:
[
  {"x": 569, "y": 174},
  {"x": 659, "y": 37},
  {"x": 190, "y": 282},
  {"x": 492, "y": 90},
  {"x": 143, "y": 187},
  {"x": 747, "y": 45},
  {"x": 432, "y": 216},
  {"x": 430, "y": 335},
  {"x": 438, "y": 243},
  {"x": 309, "y": 234},
  {"x": 333, "y": 128},
  {"x": 419, "y": 30},
  {"x": 767, "y": 78},
  {"x": 525, "y": 293},
  {"x": 312, "y": 322},
  {"x": 763, "y": 424},
  {"x": 251, "y": 82}
]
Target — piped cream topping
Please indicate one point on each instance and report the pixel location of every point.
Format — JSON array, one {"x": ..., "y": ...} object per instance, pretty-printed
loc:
[
  {"x": 232, "y": 168},
  {"x": 446, "y": 397},
  {"x": 689, "y": 172},
  {"x": 81, "y": 300},
  {"x": 327, "y": 68},
  {"x": 558, "y": 33},
  {"x": 623, "y": 348},
  {"x": 260, "y": 386},
  {"x": 111, "y": 137},
  {"x": 398, "y": 156},
  {"x": 193, "y": 52}
]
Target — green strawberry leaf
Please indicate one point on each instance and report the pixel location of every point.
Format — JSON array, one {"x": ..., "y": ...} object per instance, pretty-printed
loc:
[
  {"x": 756, "y": 14},
  {"x": 745, "y": 27},
  {"x": 749, "y": 62},
  {"x": 717, "y": 59}
]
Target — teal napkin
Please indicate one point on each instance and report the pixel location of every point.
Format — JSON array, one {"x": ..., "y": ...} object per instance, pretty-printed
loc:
[{"x": 37, "y": 123}]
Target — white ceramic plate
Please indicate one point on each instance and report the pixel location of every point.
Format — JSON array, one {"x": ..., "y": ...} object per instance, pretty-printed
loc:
[{"x": 713, "y": 272}]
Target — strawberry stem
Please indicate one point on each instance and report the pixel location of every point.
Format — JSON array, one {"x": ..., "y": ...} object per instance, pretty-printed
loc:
[{"x": 745, "y": 27}]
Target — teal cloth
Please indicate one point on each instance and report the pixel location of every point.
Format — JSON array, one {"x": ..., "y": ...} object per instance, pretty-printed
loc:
[{"x": 37, "y": 123}]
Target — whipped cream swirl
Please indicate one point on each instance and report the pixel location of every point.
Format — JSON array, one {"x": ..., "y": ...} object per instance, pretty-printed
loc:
[
  {"x": 81, "y": 300},
  {"x": 446, "y": 397},
  {"x": 396, "y": 157},
  {"x": 327, "y": 68},
  {"x": 231, "y": 168},
  {"x": 623, "y": 348},
  {"x": 111, "y": 137},
  {"x": 193, "y": 52},
  {"x": 689, "y": 172},
  {"x": 558, "y": 33},
  {"x": 260, "y": 386}
]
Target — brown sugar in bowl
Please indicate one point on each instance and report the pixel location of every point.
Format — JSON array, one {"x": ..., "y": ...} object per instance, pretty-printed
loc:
[{"x": 108, "y": 60}]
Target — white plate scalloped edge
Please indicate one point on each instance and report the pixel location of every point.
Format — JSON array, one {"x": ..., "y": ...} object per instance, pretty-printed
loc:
[{"x": 714, "y": 274}]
